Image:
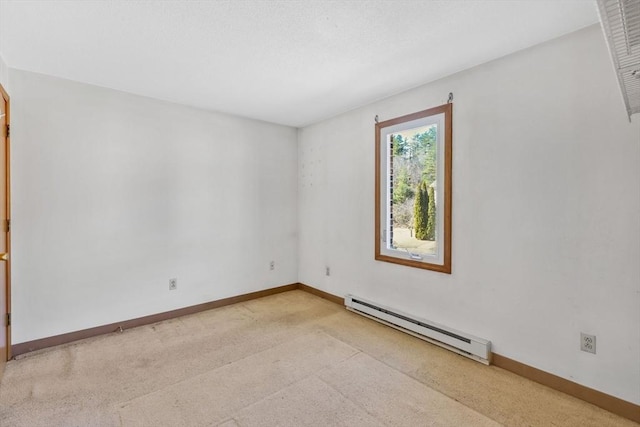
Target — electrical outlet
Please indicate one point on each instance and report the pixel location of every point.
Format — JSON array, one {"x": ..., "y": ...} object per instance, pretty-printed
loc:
[
  {"x": 173, "y": 284},
  {"x": 272, "y": 265},
  {"x": 588, "y": 343},
  {"x": 327, "y": 271}
]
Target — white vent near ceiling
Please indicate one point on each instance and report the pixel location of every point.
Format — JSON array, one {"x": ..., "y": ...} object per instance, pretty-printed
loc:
[
  {"x": 621, "y": 24},
  {"x": 462, "y": 343}
]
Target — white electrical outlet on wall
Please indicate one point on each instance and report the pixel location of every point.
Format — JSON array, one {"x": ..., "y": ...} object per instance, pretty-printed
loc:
[
  {"x": 588, "y": 343},
  {"x": 173, "y": 284}
]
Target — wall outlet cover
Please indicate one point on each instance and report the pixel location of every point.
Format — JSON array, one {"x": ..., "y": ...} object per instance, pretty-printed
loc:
[{"x": 588, "y": 343}]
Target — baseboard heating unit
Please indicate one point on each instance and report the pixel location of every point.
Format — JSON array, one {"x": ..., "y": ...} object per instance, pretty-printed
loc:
[{"x": 464, "y": 344}]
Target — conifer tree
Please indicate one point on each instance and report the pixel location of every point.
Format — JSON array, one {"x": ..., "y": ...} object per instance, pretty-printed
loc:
[
  {"x": 421, "y": 211},
  {"x": 431, "y": 217}
]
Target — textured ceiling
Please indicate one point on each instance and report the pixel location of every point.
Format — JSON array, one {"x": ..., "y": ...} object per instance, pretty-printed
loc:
[{"x": 288, "y": 62}]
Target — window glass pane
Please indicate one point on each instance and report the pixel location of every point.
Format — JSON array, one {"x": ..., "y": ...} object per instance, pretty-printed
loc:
[{"x": 412, "y": 178}]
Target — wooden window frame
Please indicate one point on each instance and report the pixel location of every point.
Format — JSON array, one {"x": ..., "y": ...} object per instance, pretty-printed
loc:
[{"x": 380, "y": 182}]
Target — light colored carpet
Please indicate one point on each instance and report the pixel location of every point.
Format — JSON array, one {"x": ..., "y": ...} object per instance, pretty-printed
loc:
[{"x": 290, "y": 359}]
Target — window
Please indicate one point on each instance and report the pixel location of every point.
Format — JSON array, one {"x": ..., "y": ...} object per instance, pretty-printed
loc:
[{"x": 413, "y": 189}]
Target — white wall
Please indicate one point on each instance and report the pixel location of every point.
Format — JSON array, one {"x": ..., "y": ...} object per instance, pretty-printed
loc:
[
  {"x": 114, "y": 194},
  {"x": 546, "y": 208},
  {"x": 4, "y": 74}
]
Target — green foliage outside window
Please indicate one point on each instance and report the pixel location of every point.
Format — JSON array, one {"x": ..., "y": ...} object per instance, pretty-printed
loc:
[
  {"x": 421, "y": 211},
  {"x": 431, "y": 215}
]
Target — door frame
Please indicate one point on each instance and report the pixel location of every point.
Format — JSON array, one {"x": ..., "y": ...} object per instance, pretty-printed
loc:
[{"x": 5, "y": 96}]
